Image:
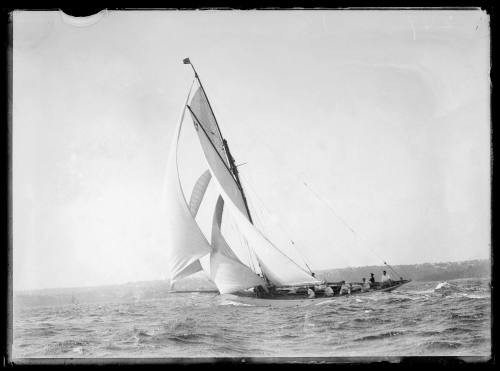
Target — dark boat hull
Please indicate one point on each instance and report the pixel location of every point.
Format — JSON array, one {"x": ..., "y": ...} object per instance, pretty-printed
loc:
[{"x": 250, "y": 298}]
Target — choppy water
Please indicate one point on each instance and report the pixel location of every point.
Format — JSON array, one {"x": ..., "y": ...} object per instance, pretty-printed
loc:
[{"x": 415, "y": 320}]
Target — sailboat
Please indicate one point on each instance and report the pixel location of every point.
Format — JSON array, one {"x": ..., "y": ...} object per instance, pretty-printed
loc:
[{"x": 276, "y": 276}]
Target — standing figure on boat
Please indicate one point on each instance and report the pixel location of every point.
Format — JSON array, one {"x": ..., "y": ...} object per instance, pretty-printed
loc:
[
  {"x": 366, "y": 285},
  {"x": 372, "y": 279},
  {"x": 310, "y": 293},
  {"x": 385, "y": 279}
]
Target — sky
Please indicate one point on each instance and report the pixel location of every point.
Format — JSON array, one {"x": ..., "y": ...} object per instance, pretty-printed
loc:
[{"x": 365, "y": 135}]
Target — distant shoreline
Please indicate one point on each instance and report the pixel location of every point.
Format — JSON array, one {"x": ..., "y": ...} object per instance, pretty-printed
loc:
[{"x": 479, "y": 268}]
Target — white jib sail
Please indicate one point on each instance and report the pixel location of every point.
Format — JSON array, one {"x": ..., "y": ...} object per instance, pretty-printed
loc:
[
  {"x": 227, "y": 271},
  {"x": 187, "y": 243},
  {"x": 279, "y": 268}
]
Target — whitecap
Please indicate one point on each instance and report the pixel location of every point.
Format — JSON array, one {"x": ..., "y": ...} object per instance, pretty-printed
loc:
[
  {"x": 230, "y": 302},
  {"x": 325, "y": 302}
]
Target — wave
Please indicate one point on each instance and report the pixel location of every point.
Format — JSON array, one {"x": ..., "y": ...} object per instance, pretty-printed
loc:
[
  {"x": 382, "y": 335},
  {"x": 406, "y": 322},
  {"x": 41, "y": 332},
  {"x": 468, "y": 316},
  {"x": 397, "y": 300},
  {"x": 235, "y": 303},
  {"x": 476, "y": 296},
  {"x": 441, "y": 345},
  {"x": 327, "y": 302},
  {"x": 184, "y": 338},
  {"x": 65, "y": 346},
  {"x": 143, "y": 334}
]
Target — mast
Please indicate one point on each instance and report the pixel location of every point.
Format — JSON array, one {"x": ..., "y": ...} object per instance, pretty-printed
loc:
[{"x": 232, "y": 165}]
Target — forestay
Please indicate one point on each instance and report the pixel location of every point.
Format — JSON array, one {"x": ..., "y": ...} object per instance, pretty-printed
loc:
[
  {"x": 277, "y": 267},
  {"x": 226, "y": 270}
]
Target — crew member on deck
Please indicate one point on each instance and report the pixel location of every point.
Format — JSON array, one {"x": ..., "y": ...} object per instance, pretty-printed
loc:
[
  {"x": 259, "y": 291},
  {"x": 385, "y": 279},
  {"x": 310, "y": 293},
  {"x": 372, "y": 279},
  {"x": 328, "y": 291},
  {"x": 366, "y": 285},
  {"x": 345, "y": 289}
]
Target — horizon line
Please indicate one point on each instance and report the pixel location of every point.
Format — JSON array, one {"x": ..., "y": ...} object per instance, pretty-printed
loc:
[{"x": 167, "y": 279}]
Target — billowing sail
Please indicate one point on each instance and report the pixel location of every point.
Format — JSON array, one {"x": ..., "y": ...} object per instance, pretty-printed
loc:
[
  {"x": 280, "y": 269},
  {"x": 226, "y": 270},
  {"x": 199, "y": 190},
  {"x": 197, "y": 194},
  {"x": 187, "y": 243}
]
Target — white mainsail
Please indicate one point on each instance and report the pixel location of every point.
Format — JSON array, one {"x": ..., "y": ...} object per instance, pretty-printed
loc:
[
  {"x": 277, "y": 267},
  {"x": 187, "y": 242},
  {"x": 226, "y": 270}
]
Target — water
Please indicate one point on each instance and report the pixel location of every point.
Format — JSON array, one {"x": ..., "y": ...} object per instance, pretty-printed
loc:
[{"x": 414, "y": 320}]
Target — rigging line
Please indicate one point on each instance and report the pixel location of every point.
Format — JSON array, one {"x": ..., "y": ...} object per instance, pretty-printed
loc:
[
  {"x": 396, "y": 273},
  {"x": 327, "y": 204},
  {"x": 320, "y": 198},
  {"x": 352, "y": 230},
  {"x": 281, "y": 252},
  {"x": 339, "y": 251},
  {"x": 278, "y": 224},
  {"x": 309, "y": 186}
]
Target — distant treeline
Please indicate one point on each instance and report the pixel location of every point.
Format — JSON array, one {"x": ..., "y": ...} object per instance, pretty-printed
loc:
[
  {"x": 145, "y": 290},
  {"x": 200, "y": 282},
  {"x": 417, "y": 272}
]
